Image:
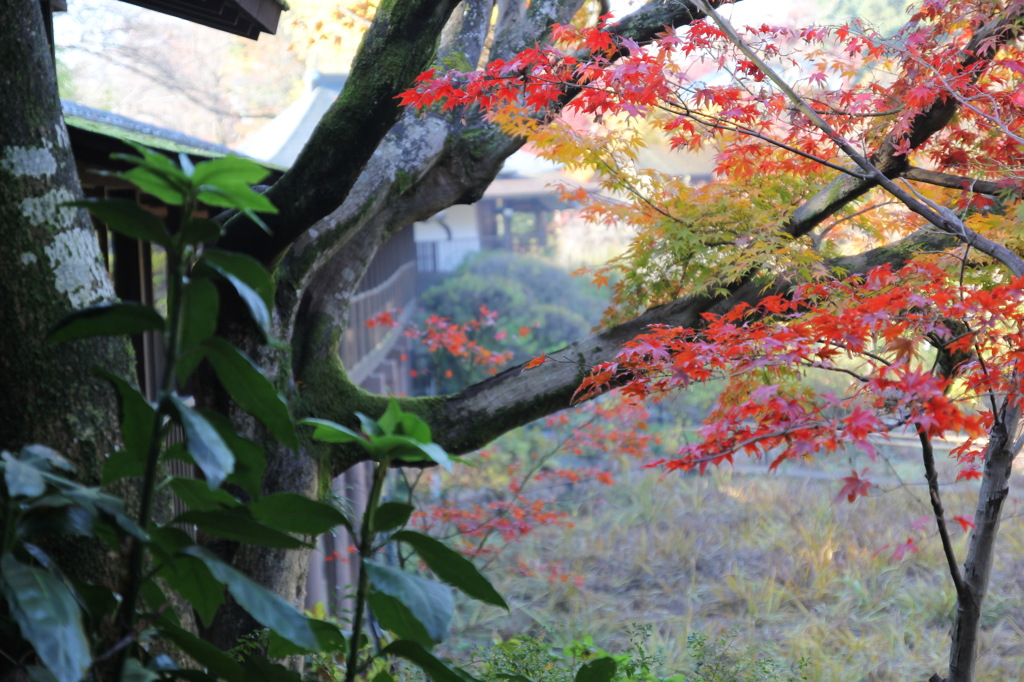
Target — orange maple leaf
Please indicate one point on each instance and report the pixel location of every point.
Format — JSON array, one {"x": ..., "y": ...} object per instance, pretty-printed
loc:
[{"x": 536, "y": 362}]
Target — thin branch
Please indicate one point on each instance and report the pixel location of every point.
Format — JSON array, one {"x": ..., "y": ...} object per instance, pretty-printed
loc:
[
  {"x": 954, "y": 181},
  {"x": 940, "y": 515},
  {"x": 940, "y": 216}
]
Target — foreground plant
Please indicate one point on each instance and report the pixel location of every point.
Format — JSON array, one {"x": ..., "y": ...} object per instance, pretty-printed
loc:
[{"x": 74, "y": 630}]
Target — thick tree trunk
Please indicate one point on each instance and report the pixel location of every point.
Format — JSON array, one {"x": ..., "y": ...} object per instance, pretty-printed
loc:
[{"x": 50, "y": 265}]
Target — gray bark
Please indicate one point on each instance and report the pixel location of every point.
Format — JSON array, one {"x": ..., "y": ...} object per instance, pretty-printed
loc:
[{"x": 50, "y": 265}]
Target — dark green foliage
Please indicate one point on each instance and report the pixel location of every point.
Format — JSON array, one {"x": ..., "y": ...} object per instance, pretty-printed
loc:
[{"x": 75, "y": 630}]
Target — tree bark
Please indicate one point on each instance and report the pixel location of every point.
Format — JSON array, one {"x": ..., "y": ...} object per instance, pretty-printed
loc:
[{"x": 50, "y": 265}]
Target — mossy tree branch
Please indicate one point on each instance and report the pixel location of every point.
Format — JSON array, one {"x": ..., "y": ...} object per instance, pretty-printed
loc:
[
  {"x": 399, "y": 45},
  {"x": 472, "y": 418}
]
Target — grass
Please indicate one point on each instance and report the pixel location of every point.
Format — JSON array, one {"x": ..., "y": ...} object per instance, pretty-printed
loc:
[{"x": 769, "y": 556}]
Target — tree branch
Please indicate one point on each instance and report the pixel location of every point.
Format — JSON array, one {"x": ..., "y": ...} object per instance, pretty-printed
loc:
[
  {"x": 398, "y": 47},
  {"x": 470, "y": 419},
  {"x": 955, "y": 181}
]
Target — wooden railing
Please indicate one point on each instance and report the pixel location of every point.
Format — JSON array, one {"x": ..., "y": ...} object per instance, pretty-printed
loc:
[{"x": 396, "y": 292}]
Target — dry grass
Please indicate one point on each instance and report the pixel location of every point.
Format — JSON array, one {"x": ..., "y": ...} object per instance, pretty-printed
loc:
[{"x": 768, "y": 555}]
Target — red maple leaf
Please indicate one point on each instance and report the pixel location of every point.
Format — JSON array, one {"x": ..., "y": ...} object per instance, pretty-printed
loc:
[{"x": 854, "y": 487}]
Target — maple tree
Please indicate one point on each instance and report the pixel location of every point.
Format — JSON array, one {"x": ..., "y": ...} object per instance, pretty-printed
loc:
[
  {"x": 562, "y": 449},
  {"x": 931, "y": 342}
]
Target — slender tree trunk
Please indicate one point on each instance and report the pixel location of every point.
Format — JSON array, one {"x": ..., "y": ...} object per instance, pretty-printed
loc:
[
  {"x": 49, "y": 265},
  {"x": 995, "y": 486}
]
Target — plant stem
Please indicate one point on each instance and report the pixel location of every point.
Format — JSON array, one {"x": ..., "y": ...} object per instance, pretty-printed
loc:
[
  {"x": 365, "y": 550},
  {"x": 136, "y": 561}
]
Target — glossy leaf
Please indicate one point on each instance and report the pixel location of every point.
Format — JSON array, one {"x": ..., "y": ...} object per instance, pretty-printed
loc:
[
  {"x": 239, "y": 525},
  {"x": 427, "y": 662},
  {"x": 229, "y": 170},
  {"x": 128, "y": 218},
  {"x": 106, "y": 319},
  {"x": 263, "y": 605},
  {"x": 190, "y": 577},
  {"x": 200, "y": 304},
  {"x": 216, "y": 661},
  {"x": 391, "y": 515},
  {"x": 136, "y": 417},
  {"x": 451, "y": 567},
  {"x": 394, "y": 616},
  {"x": 134, "y": 671},
  {"x": 329, "y": 432},
  {"x": 200, "y": 231},
  {"x": 198, "y": 496},
  {"x": 330, "y": 639},
  {"x": 597, "y": 670},
  {"x": 248, "y": 386},
  {"x": 43, "y": 457},
  {"x": 249, "y": 460},
  {"x": 250, "y": 280},
  {"x": 298, "y": 514},
  {"x": 49, "y": 618},
  {"x": 429, "y": 603},
  {"x": 411, "y": 450},
  {"x": 204, "y": 443},
  {"x": 22, "y": 479}
]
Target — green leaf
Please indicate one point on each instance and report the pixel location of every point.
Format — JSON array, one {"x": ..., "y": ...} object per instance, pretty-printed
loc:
[
  {"x": 198, "y": 496},
  {"x": 370, "y": 426},
  {"x": 204, "y": 443},
  {"x": 249, "y": 278},
  {"x": 106, "y": 319},
  {"x": 136, "y": 672},
  {"x": 49, "y": 618},
  {"x": 43, "y": 457},
  {"x": 191, "y": 578},
  {"x": 597, "y": 670},
  {"x": 331, "y": 639},
  {"x": 244, "y": 381},
  {"x": 168, "y": 540},
  {"x": 330, "y": 432},
  {"x": 415, "y": 428},
  {"x": 266, "y": 607},
  {"x": 427, "y": 662},
  {"x": 230, "y": 170},
  {"x": 238, "y": 524},
  {"x": 137, "y": 417},
  {"x": 259, "y": 668},
  {"x": 428, "y": 602},
  {"x": 238, "y": 196},
  {"x": 206, "y": 654},
  {"x": 52, "y": 521},
  {"x": 126, "y": 217},
  {"x": 249, "y": 460},
  {"x": 411, "y": 450},
  {"x": 298, "y": 514},
  {"x": 391, "y": 515},
  {"x": 388, "y": 421},
  {"x": 155, "y": 183},
  {"x": 451, "y": 567},
  {"x": 396, "y": 617},
  {"x": 200, "y": 231},
  {"x": 200, "y": 304},
  {"x": 22, "y": 479},
  {"x": 98, "y": 601}
]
